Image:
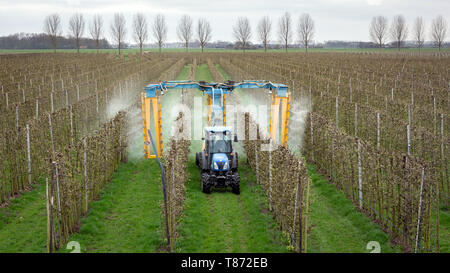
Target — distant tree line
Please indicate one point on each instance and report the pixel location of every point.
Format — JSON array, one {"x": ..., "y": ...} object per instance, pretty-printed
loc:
[
  {"x": 41, "y": 41},
  {"x": 288, "y": 34},
  {"x": 397, "y": 32}
]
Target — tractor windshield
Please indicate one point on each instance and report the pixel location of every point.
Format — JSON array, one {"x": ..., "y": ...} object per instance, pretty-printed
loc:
[{"x": 220, "y": 143}]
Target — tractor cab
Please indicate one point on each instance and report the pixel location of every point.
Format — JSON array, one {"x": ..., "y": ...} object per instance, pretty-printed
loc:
[{"x": 217, "y": 160}]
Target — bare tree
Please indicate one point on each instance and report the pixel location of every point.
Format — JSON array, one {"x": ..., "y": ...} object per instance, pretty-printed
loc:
[
  {"x": 399, "y": 30},
  {"x": 118, "y": 30},
  {"x": 285, "y": 29},
  {"x": 379, "y": 30},
  {"x": 419, "y": 32},
  {"x": 264, "y": 28},
  {"x": 76, "y": 28},
  {"x": 96, "y": 30},
  {"x": 140, "y": 29},
  {"x": 305, "y": 30},
  {"x": 439, "y": 31},
  {"x": 52, "y": 27},
  {"x": 242, "y": 32},
  {"x": 203, "y": 32},
  {"x": 160, "y": 30},
  {"x": 184, "y": 30}
]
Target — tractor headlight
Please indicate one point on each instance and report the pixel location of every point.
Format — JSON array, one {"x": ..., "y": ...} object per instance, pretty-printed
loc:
[
  {"x": 225, "y": 166},
  {"x": 215, "y": 166}
]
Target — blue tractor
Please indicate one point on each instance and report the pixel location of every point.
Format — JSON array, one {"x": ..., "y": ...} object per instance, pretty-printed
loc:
[{"x": 218, "y": 161}]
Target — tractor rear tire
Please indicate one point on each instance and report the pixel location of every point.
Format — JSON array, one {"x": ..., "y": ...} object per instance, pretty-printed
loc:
[
  {"x": 235, "y": 187},
  {"x": 206, "y": 188},
  {"x": 197, "y": 159}
]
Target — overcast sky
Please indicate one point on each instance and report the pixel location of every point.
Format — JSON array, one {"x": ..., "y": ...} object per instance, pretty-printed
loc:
[{"x": 334, "y": 19}]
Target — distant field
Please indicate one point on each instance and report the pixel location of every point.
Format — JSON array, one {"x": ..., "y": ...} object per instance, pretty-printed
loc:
[{"x": 391, "y": 50}]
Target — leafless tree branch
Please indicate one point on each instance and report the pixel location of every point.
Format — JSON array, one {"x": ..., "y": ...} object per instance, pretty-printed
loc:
[
  {"x": 203, "y": 32},
  {"x": 140, "y": 30},
  {"x": 242, "y": 31},
  {"x": 399, "y": 30},
  {"x": 184, "y": 30},
  {"x": 76, "y": 28},
  {"x": 52, "y": 27},
  {"x": 378, "y": 30},
  {"x": 285, "y": 29},
  {"x": 306, "y": 30},
  {"x": 118, "y": 30},
  {"x": 419, "y": 32},
  {"x": 263, "y": 29},
  {"x": 439, "y": 31},
  {"x": 96, "y": 30},
  {"x": 160, "y": 30}
]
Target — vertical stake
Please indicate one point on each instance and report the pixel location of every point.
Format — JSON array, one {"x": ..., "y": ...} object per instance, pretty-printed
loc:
[
  {"x": 28, "y": 155},
  {"x": 360, "y": 176}
]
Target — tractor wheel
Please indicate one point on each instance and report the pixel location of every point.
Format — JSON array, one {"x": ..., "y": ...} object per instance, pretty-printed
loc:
[
  {"x": 235, "y": 187},
  {"x": 206, "y": 188},
  {"x": 197, "y": 159}
]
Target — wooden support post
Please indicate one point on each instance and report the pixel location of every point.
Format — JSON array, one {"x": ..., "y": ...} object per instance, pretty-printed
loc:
[
  {"x": 28, "y": 155},
  {"x": 408, "y": 136},
  {"x": 51, "y": 102},
  {"x": 356, "y": 119},
  {"x": 337, "y": 112},
  {"x": 17, "y": 118},
  {"x": 419, "y": 216},
  {"x": 51, "y": 132},
  {"x": 37, "y": 108},
  {"x": 360, "y": 176},
  {"x": 86, "y": 189},
  {"x": 270, "y": 174},
  {"x": 298, "y": 203},
  {"x": 378, "y": 130},
  {"x": 71, "y": 125},
  {"x": 49, "y": 218}
]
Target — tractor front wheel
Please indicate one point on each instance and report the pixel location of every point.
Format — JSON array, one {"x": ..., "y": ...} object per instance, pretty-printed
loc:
[
  {"x": 206, "y": 188},
  {"x": 235, "y": 187}
]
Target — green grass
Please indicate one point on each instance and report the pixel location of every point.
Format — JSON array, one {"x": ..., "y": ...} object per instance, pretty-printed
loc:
[
  {"x": 225, "y": 222},
  {"x": 184, "y": 74},
  {"x": 444, "y": 229},
  {"x": 127, "y": 217},
  {"x": 203, "y": 73},
  {"x": 336, "y": 225},
  {"x": 23, "y": 223}
]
